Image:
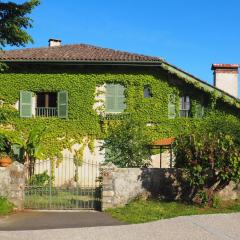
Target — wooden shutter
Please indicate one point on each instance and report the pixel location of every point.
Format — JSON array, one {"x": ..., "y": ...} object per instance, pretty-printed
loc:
[
  {"x": 26, "y": 104},
  {"x": 199, "y": 111},
  {"x": 110, "y": 97},
  {"x": 171, "y": 106},
  {"x": 63, "y": 104},
  {"x": 115, "y": 98},
  {"x": 120, "y": 98}
]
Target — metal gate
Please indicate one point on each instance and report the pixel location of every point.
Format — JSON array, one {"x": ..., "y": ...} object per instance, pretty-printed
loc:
[{"x": 62, "y": 185}]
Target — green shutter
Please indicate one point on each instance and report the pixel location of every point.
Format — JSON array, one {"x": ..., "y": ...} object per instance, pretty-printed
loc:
[
  {"x": 171, "y": 106},
  {"x": 110, "y": 97},
  {"x": 120, "y": 98},
  {"x": 26, "y": 104},
  {"x": 63, "y": 104},
  {"x": 199, "y": 111},
  {"x": 115, "y": 99}
]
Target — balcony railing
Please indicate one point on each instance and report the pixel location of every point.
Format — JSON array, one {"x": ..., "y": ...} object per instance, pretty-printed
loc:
[
  {"x": 184, "y": 113},
  {"x": 46, "y": 112}
]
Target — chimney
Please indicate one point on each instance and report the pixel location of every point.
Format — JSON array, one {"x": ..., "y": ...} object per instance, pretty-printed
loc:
[
  {"x": 54, "y": 42},
  {"x": 226, "y": 78}
]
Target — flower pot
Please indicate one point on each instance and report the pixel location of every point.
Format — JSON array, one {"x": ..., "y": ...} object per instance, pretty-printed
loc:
[{"x": 5, "y": 161}]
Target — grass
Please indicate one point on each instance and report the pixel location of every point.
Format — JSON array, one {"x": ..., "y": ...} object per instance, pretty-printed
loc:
[
  {"x": 5, "y": 206},
  {"x": 140, "y": 211}
]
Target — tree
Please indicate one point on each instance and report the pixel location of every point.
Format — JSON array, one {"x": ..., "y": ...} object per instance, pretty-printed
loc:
[
  {"x": 14, "y": 21},
  {"x": 127, "y": 144},
  {"x": 210, "y": 160}
]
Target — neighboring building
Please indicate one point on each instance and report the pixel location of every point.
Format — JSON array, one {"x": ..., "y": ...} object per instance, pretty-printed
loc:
[{"x": 77, "y": 90}]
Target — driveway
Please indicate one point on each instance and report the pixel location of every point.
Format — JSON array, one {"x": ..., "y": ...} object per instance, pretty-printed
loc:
[
  {"x": 205, "y": 227},
  {"x": 38, "y": 220}
]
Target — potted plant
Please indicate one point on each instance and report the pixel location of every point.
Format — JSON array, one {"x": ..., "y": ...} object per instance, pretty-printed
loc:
[{"x": 5, "y": 159}]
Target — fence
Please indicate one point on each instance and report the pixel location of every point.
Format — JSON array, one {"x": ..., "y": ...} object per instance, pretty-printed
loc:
[{"x": 54, "y": 184}]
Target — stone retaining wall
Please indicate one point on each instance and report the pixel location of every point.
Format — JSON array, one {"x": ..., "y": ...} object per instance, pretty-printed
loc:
[
  {"x": 120, "y": 185},
  {"x": 12, "y": 182}
]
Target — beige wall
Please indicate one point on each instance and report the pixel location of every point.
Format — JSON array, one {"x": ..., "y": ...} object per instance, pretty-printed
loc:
[
  {"x": 65, "y": 171},
  {"x": 166, "y": 156},
  {"x": 227, "y": 82}
]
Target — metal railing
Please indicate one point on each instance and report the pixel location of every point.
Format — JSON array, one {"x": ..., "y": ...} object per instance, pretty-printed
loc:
[
  {"x": 46, "y": 111},
  {"x": 184, "y": 113},
  {"x": 63, "y": 184}
]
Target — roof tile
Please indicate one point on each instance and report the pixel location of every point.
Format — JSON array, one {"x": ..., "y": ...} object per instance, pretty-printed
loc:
[{"x": 75, "y": 52}]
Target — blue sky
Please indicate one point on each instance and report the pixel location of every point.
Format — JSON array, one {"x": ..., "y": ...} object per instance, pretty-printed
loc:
[{"x": 189, "y": 34}]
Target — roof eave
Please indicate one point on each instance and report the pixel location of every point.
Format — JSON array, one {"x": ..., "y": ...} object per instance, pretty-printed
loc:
[
  {"x": 198, "y": 82},
  {"x": 158, "y": 63},
  {"x": 81, "y": 62}
]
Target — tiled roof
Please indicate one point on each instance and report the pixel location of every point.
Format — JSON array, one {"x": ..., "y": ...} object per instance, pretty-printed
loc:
[
  {"x": 74, "y": 52},
  {"x": 164, "y": 142}
]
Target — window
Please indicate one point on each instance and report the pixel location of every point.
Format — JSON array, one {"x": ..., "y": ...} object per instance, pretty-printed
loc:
[
  {"x": 115, "y": 98},
  {"x": 44, "y": 104},
  {"x": 184, "y": 106},
  {"x": 147, "y": 92}
]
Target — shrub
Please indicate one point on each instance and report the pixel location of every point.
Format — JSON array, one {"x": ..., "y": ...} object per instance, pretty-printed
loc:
[
  {"x": 5, "y": 206},
  {"x": 39, "y": 180},
  {"x": 210, "y": 160},
  {"x": 127, "y": 144},
  {"x": 210, "y": 155}
]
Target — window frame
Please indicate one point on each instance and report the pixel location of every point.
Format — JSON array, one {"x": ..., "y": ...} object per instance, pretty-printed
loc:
[
  {"x": 185, "y": 106},
  {"x": 149, "y": 92}
]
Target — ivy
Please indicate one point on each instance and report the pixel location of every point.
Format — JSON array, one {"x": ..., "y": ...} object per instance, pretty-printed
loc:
[{"x": 83, "y": 121}]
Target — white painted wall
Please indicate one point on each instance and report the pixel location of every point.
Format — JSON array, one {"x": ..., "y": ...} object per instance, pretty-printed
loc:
[
  {"x": 228, "y": 82},
  {"x": 65, "y": 171},
  {"x": 100, "y": 99}
]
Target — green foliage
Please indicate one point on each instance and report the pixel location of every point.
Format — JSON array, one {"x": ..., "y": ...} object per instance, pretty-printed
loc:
[
  {"x": 39, "y": 180},
  {"x": 127, "y": 144},
  {"x": 210, "y": 157},
  {"x": 14, "y": 21},
  {"x": 32, "y": 144},
  {"x": 5, "y": 147},
  {"x": 216, "y": 202},
  {"x": 5, "y": 206},
  {"x": 140, "y": 211},
  {"x": 83, "y": 120}
]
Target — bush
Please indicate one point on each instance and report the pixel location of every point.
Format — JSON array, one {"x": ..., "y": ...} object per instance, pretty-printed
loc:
[
  {"x": 127, "y": 144},
  {"x": 39, "y": 180},
  {"x": 5, "y": 206},
  {"x": 211, "y": 161}
]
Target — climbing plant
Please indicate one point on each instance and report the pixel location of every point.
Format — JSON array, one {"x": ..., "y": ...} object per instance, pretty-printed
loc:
[{"x": 83, "y": 121}]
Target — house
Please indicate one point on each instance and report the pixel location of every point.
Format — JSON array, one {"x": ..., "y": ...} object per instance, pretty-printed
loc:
[{"x": 76, "y": 90}]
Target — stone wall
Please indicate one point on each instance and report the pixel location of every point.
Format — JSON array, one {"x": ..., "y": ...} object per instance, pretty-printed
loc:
[
  {"x": 12, "y": 181},
  {"x": 121, "y": 185}
]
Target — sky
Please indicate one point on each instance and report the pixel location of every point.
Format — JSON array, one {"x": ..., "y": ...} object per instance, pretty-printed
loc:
[{"x": 189, "y": 34}]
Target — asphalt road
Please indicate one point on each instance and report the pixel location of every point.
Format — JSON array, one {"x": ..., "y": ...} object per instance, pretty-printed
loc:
[
  {"x": 205, "y": 227},
  {"x": 38, "y": 220}
]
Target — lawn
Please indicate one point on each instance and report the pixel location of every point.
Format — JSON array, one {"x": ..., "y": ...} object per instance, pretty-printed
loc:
[
  {"x": 5, "y": 206},
  {"x": 140, "y": 211}
]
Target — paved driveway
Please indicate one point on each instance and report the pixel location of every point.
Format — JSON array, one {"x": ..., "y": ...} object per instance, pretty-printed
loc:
[
  {"x": 205, "y": 227},
  {"x": 38, "y": 220}
]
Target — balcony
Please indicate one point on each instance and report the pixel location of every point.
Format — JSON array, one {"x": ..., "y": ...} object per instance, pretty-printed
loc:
[
  {"x": 184, "y": 112},
  {"x": 46, "y": 112}
]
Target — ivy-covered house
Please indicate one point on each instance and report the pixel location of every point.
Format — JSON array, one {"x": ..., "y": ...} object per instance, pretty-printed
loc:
[{"x": 75, "y": 91}]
